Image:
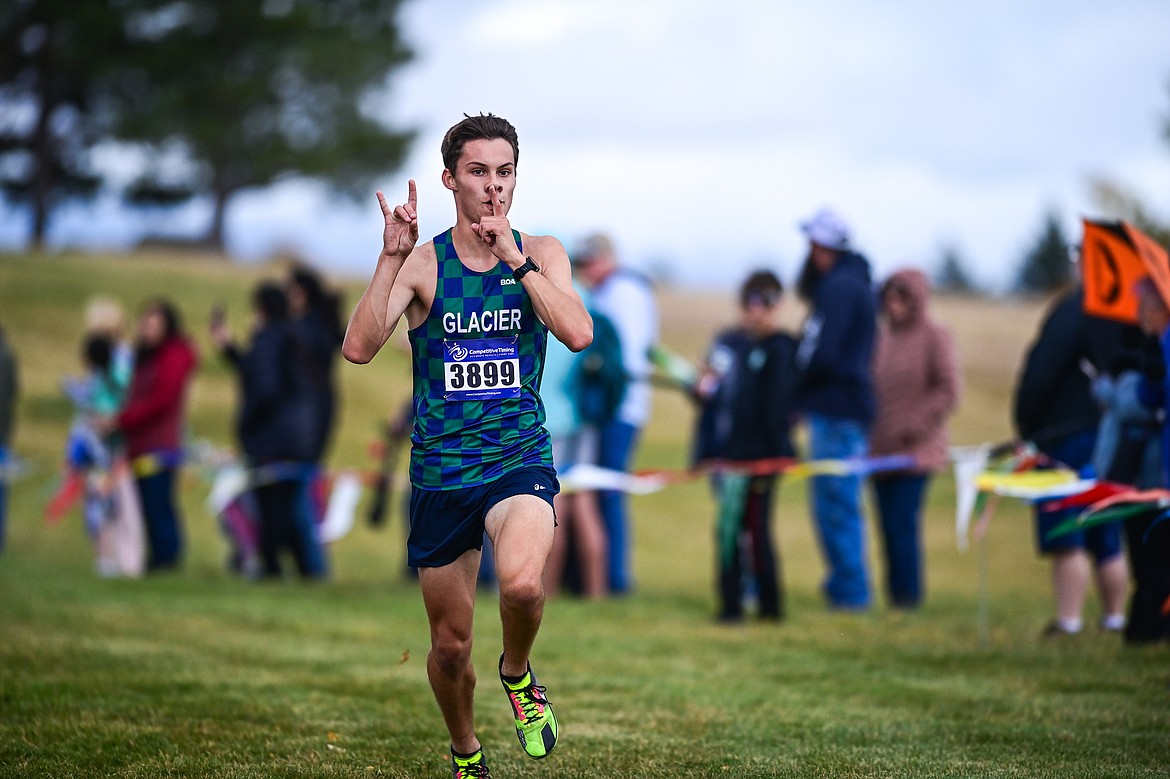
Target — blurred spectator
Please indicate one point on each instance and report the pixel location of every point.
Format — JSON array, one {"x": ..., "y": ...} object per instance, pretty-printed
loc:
[
  {"x": 111, "y": 510},
  {"x": 9, "y": 393},
  {"x": 917, "y": 386},
  {"x": 278, "y": 432},
  {"x": 152, "y": 422},
  {"x": 627, "y": 300},
  {"x": 836, "y": 396},
  {"x": 1055, "y": 410},
  {"x": 579, "y": 525},
  {"x": 747, "y": 391},
  {"x": 315, "y": 314},
  {"x": 121, "y": 537},
  {"x": 1148, "y": 534}
]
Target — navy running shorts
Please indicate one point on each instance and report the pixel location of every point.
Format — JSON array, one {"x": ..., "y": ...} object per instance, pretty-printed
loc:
[{"x": 446, "y": 523}]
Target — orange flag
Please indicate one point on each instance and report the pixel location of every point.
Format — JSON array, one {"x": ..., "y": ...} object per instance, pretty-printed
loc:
[{"x": 1115, "y": 256}]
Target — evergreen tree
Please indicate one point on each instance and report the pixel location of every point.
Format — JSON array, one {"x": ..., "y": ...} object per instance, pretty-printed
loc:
[
  {"x": 1046, "y": 266},
  {"x": 952, "y": 275}
]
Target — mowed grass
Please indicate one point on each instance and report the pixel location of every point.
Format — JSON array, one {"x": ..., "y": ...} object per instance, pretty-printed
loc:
[{"x": 198, "y": 674}]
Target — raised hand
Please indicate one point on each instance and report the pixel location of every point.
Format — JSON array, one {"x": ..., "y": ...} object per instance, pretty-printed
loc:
[
  {"x": 401, "y": 231},
  {"x": 496, "y": 232}
]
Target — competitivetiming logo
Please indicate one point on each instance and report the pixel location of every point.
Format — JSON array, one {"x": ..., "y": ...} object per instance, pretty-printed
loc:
[{"x": 459, "y": 352}]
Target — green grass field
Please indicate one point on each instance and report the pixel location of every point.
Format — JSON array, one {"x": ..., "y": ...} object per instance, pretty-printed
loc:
[{"x": 198, "y": 674}]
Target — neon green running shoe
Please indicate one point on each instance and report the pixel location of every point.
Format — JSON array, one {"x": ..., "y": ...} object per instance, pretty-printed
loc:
[
  {"x": 468, "y": 767},
  {"x": 536, "y": 725}
]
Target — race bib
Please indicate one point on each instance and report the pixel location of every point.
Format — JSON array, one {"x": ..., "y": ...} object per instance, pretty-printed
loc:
[{"x": 481, "y": 368}]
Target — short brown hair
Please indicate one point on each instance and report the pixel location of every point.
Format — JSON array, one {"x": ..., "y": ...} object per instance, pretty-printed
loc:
[
  {"x": 484, "y": 127},
  {"x": 761, "y": 286}
]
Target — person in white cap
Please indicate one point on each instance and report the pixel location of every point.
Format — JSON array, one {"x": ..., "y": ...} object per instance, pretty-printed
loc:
[{"x": 836, "y": 397}]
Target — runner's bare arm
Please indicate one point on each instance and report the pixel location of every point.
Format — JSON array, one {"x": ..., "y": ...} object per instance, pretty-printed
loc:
[
  {"x": 390, "y": 292},
  {"x": 556, "y": 302}
]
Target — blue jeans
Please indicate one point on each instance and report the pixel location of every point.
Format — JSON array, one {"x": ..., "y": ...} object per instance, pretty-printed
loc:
[
  {"x": 836, "y": 508},
  {"x": 163, "y": 535},
  {"x": 615, "y": 450},
  {"x": 899, "y": 504},
  {"x": 306, "y": 523}
]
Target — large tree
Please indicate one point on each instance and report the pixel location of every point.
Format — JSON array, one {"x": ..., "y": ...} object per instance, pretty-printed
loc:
[{"x": 216, "y": 97}]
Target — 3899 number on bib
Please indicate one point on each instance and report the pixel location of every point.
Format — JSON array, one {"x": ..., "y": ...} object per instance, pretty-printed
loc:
[{"x": 481, "y": 369}]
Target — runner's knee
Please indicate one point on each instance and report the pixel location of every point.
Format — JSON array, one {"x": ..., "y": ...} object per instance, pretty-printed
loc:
[
  {"x": 524, "y": 592},
  {"x": 451, "y": 653}
]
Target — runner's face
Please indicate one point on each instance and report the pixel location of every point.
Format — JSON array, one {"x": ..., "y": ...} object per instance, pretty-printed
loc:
[{"x": 484, "y": 165}]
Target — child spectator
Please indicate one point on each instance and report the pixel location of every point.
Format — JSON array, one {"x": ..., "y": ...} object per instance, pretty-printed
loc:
[
  {"x": 746, "y": 390},
  {"x": 110, "y": 506}
]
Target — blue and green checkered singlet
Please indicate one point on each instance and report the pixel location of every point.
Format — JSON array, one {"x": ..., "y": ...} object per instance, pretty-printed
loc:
[{"x": 478, "y": 358}]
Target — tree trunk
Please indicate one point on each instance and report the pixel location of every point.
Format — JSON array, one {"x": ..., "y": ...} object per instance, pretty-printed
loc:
[
  {"x": 43, "y": 151},
  {"x": 215, "y": 234}
]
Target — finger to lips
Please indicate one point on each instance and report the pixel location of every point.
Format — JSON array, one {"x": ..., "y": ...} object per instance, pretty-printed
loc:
[{"x": 485, "y": 233}]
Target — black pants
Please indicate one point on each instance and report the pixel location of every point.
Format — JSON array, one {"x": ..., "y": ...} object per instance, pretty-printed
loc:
[
  {"x": 755, "y": 553},
  {"x": 277, "y": 504},
  {"x": 1148, "y": 541}
]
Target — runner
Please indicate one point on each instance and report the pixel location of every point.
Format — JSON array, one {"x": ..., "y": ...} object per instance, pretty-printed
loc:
[{"x": 479, "y": 301}]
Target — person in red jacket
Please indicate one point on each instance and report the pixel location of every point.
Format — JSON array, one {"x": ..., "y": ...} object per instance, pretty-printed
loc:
[{"x": 152, "y": 422}]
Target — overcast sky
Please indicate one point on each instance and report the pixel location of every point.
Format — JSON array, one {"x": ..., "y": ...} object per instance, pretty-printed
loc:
[{"x": 698, "y": 134}]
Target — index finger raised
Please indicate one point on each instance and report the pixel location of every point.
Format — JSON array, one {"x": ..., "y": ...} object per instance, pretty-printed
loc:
[
  {"x": 497, "y": 206},
  {"x": 411, "y": 194}
]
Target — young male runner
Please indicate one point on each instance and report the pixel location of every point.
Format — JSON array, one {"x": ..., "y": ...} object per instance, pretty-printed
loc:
[{"x": 479, "y": 301}]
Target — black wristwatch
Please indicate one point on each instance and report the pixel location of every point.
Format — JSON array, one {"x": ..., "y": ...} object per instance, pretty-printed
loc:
[{"x": 529, "y": 264}]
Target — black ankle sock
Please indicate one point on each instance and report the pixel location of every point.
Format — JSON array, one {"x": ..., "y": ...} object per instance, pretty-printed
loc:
[
  {"x": 514, "y": 679},
  {"x": 463, "y": 756}
]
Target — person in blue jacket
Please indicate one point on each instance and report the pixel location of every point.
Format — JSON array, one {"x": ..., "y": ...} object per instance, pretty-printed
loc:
[{"x": 836, "y": 398}]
